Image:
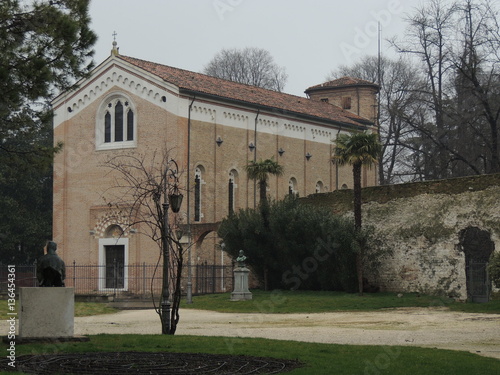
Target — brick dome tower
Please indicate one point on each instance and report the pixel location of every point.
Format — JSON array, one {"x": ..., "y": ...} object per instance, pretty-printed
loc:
[{"x": 351, "y": 94}]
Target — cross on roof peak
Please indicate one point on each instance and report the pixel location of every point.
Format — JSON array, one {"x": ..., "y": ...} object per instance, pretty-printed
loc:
[{"x": 115, "y": 50}]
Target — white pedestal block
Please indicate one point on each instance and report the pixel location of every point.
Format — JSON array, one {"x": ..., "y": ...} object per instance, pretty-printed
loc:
[
  {"x": 241, "y": 292},
  {"x": 46, "y": 312}
]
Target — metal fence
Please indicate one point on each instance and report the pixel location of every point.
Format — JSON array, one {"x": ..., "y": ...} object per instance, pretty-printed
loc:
[
  {"x": 132, "y": 280},
  {"x": 211, "y": 279}
]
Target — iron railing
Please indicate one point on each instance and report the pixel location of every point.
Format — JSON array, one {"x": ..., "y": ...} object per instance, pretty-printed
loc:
[
  {"x": 211, "y": 279},
  {"x": 134, "y": 280}
]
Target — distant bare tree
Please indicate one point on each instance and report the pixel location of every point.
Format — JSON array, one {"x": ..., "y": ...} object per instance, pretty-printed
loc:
[
  {"x": 398, "y": 81},
  {"x": 429, "y": 30},
  {"x": 457, "y": 45},
  {"x": 477, "y": 62},
  {"x": 252, "y": 66}
]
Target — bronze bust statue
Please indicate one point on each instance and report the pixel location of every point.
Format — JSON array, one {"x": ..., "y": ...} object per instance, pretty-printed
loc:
[
  {"x": 241, "y": 259},
  {"x": 50, "y": 269}
]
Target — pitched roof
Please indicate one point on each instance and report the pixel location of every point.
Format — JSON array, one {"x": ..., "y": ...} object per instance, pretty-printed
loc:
[
  {"x": 342, "y": 82},
  {"x": 222, "y": 89}
]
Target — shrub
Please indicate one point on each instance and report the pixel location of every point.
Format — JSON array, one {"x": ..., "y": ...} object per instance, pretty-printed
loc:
[{"x": 301, "y": 247}]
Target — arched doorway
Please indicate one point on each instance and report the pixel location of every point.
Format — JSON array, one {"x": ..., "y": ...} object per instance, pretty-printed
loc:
[
  {"x": 477, "y": 247},
  {"x": 113, "y": 259}
]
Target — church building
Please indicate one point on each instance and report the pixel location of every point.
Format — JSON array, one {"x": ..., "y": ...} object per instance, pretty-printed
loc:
[{"x": 212, "y": 128}]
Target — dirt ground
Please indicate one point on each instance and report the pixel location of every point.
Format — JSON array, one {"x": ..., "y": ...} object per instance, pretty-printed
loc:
[{"x": 425, "y": 327}]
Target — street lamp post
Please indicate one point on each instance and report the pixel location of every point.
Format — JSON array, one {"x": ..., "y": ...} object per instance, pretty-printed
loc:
[
  {"x": 189, "y": 292},
  {"x": 165, "y": 303},
  {"x": 173, "y": 200}
]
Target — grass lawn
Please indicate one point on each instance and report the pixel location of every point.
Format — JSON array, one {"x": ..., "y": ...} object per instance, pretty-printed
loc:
[
  {"x": 492, "y": 307},
  {"x": 317, "y": 358},
  {"x": 93, "y": 308},
  {"x": 286, "y": 302},
  {"x": 315, "y": 302},
  {"x": 81, "y": 308}
]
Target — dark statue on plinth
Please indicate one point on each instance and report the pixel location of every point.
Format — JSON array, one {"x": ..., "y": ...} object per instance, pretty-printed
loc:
[
  {"x": 241, "y": 259},
  {"x": 50, "y": 269}
]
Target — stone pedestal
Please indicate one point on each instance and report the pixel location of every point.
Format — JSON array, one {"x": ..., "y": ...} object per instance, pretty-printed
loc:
[
  {"x": 46, "y": 312},
  {"x": 241, "y": 292}
]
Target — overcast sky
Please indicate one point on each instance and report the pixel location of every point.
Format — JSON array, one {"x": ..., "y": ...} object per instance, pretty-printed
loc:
[{"x": 309, "y": 38}]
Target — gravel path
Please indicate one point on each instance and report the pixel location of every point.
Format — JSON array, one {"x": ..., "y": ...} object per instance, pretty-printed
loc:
[{"x": 425, "y": 327}]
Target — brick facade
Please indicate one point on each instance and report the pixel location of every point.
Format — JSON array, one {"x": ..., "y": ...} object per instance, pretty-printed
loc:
[{"x": 168, "y": 115}]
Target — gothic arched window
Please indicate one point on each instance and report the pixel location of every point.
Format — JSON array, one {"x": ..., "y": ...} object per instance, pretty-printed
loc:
[{"x": 116, "y": 124}]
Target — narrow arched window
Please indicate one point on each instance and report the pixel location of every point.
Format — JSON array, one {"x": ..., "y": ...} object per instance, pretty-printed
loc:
[
  {"x": 232, "y": 191},
  {"x": 107, "y": 127},
  {"x": 292, "y": 186},
  {"x": 118, "y": 122},
  {"x": 130, "y": 125},
  {"x": 231, "y": 196},
  {"x": 197, "y": 195},
  {"x": 319, "y": 187}
]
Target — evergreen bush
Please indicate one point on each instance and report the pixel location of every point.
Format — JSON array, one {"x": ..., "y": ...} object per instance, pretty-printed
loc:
[{"x": 302, "y": 247}]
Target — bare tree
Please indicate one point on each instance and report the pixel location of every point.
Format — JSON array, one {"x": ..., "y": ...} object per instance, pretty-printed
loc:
[
  {"x": 428, "y": 32},
  {"x": 456, "y": 44},
  {"x": 398, "y": 81},
  {"x": 251, "y": 66},
  {"x": 440, "y": 106},
  {"x": 143, "y": 185},
  {"x": 477, "y": 61}
]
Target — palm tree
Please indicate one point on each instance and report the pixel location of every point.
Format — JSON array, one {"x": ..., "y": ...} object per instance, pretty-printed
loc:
[
  {"x": 357, "y": 149},
  {"x": 260, "y": 171}
]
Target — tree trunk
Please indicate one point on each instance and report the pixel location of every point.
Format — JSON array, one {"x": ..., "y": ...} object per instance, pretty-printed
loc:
[
  {"x": 262, "y": 191},
  {"x": 356, "y": 170},
  {"x": 266, "y": 286},
  {"x": 176, "y": 300},
  {"x": 264, "y": 211}
]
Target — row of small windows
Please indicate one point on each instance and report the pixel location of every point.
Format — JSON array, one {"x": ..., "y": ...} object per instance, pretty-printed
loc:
[
  {"x": 119, "y": 126},
  {"x": 232, "y": 191}
]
